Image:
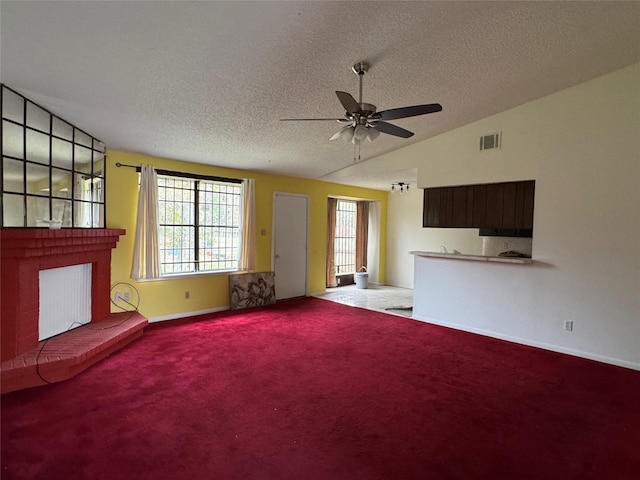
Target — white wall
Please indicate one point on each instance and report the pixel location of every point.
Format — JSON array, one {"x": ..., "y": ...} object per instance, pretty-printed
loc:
[
  {"x": 405, "y": 233},
  {"x": 582, "y": 146}
]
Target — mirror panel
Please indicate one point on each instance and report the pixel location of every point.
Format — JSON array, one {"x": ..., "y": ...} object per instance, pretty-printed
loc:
[
  {"x": 99, "y": 146},
  {"x": 38, "y": 118},
  {"x": 88, "y": 215},
  {"x": 60, "y": 183},
  {"x": 12, "y": 106},
  {"x": 98, "y": 215},
  {"x": 83, "y": 139},
  {"x": 61, "y": 153},
  {"x": 98, "y": 190},
  {"x": 37, "y": 211},
  {"x": 12, "y": 140},
  {"x": 12, "y": 175},
  {"x": 37, "y": 179},
  {"x": 37, "y": 147},
  {"x": 62, "y": 129},
  {"x": 99, "y": 160},
  {"x": 82, "y": 187},
  {"x": 62, "y": 211},
  {"x": 83, "y": 158},
  {"x": 13, "y": 210},
  {"x": 81, "y": 214},
  {"x": 45, "y": 162}
]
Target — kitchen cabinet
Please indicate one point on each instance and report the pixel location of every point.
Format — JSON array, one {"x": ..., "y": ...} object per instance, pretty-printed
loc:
[
  {"x": 457, "y": 207},
  {"x": 524, "y": 209},
  {"x": 435, "y": 208},
  {"x": 495, "y": 206},
  {"x": 447, "y": 207},
  {"x": 507, "y": 205},
  {"x": 479, "y": 206}
]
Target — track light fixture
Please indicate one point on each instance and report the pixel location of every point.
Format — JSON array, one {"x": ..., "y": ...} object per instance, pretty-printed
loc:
[{"x": 401, "y": 187}]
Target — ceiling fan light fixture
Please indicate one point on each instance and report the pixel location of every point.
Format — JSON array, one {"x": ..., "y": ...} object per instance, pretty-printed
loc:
[
  {"x": 363, "y": 119},
  {"x": 372, "y": 134},
  {"x": 346, "y": 133},
  {"x": 360, "y": 132}
]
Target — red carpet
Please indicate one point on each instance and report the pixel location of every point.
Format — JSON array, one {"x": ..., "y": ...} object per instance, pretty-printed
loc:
[{"x": 310, "y": 389}]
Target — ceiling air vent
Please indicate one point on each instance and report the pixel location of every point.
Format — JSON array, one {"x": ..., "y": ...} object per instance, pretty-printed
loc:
[{"x": 491, "y": 141}]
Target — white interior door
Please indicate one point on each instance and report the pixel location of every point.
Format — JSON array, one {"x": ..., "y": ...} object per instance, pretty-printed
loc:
[{"x": 290, "y": 244}]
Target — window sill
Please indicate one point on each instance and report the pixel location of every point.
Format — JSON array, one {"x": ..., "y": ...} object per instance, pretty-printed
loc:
[{"x": 191, "y": 275}]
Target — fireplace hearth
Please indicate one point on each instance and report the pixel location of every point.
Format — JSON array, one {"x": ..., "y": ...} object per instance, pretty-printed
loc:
[
  {"x": 27, "y": 251},
  {"x": 29, "y": 254}
]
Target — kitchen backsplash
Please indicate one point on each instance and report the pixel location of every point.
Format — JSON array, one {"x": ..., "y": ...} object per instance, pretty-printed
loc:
[{"x": 492, "y": 246}]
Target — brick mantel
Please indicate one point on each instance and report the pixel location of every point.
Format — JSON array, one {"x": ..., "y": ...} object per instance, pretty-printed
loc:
[{"x": 26, "y": 251}]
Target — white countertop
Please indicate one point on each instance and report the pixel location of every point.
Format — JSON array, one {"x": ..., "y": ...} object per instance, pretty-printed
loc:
[{"x": 477, "y": 258}]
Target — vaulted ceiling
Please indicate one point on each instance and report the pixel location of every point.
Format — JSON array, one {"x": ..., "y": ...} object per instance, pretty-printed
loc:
[{"x": 208, "y": 82}]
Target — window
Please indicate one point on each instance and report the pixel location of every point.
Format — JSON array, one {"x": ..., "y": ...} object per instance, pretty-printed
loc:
[
  {"x": 200, "y": 225},
  {"x": 345, "y": 239},
  {"x": 51, "y": 170}
]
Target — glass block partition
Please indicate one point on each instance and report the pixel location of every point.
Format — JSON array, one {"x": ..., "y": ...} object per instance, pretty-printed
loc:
[{"x": 53, "y": 173}]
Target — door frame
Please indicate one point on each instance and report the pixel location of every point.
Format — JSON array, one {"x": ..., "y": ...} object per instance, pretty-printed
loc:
[{"x": 273, "y": 235}]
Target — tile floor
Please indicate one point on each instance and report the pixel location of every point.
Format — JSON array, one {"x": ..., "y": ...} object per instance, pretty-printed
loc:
[{"x": 382, "y": 298}]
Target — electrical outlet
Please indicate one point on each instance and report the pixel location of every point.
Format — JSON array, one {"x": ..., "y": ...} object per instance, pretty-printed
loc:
[
  {"x": 568, "y": 325},
  {"x": 187, "y": 294},
  {"x": 125, "y": 296}
]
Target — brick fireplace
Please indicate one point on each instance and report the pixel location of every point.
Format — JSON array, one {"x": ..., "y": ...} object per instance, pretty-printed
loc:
[{"x": 27, "y": 251}]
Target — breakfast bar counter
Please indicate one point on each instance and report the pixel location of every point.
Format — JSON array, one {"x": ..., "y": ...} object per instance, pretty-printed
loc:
[{"x": 477, "y": 258}]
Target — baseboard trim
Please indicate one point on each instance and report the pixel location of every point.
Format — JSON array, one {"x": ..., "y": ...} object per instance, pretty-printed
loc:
[
  {"x": 188, "y": 314},
  {"x": 532, "y": 343}
]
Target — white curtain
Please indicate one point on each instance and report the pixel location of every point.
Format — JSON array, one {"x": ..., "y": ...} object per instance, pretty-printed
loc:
[
  {"x": 247, "y": 258},
  {"x": 146, "y": 263}
]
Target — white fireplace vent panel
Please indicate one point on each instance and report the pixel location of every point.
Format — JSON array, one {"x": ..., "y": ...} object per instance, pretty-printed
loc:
[{"x": 65, "y": 299}]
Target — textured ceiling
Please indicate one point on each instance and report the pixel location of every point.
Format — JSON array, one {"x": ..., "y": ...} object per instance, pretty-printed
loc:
[{"x": 208, "y": 81}]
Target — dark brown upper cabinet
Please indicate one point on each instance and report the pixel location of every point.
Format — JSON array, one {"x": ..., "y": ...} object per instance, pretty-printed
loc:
[
  {"x": 507, "y": 205},
  {"x": 435, "y": 207},
  {"x": 457, "y": 206},
  {"x": 495, "y": 206}
]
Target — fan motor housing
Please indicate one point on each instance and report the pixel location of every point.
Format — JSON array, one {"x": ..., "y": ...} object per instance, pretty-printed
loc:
[{"x": 368, "y": 109}]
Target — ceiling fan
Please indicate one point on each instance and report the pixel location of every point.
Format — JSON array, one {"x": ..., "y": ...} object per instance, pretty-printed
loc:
[{"x": 362, "y": 120}]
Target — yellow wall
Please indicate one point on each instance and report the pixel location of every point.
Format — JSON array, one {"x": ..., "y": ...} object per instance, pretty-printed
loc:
[{"x": 166, "y": 298}]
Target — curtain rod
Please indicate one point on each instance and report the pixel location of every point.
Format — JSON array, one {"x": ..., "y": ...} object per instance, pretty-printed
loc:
[
  {"x": 185, "y": 175},
  {"x": 118, "y": 164}
]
